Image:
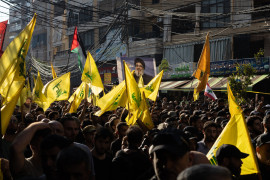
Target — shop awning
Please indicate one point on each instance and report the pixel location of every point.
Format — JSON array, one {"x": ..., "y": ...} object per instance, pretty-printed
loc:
[
  {"x": 218, "y": 83},
  {"x": 172, "y": 85}
]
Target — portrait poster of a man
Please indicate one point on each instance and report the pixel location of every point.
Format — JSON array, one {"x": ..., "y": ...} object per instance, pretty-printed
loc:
[{"x": 145, "y": 67}]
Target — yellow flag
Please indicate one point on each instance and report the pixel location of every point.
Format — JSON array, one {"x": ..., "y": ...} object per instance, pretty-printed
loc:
[
  {"x": 57, "y": 89},
  {"x": 53, "y": 72},
  {"x": 77, "y": 97},
  {"x": 141, "y": 83},
  {"x": 233, "y": 106},
  {"x": 14, "y": 56},
  {"x": 25, "y": 93},
  {"x": 12, "y": 62},
  {"x": 151, "y": 89},
  {"x": 203, "y": 70},
  {"x": 133, "y": 91},
  {"x": 115, "y": 98},
  {"x": 8, "y": 108},
  {"x": 91, "y": 75},
  {"x": 38, "y": 96},
  {"x": 236, "y": 133},
  {"x": 145, "y": 117},
  {"x": 133, "y": 96}
]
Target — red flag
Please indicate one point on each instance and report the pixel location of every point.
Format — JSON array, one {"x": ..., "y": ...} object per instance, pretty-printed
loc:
[
  {"x": 78, "y": 48},
  {"x": 3, "y": 27}
]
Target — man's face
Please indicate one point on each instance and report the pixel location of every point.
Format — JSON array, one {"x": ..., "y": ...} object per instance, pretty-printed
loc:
[
  {"x": 199, "y": 124},
  {"x": 257, "y": 126},
  {"x": 71, "y": 130},
  {"x": 28, "y": 101},
  {"x": 168, "y": 166},
  {"x": 267, "y": 126},
  {"x": 235, "y": 166},
  {"x": 75, "y": 171},
  {"x": 123, "y": 131},
  {"x": 89, "y": 137},
  {"x": 57, "y": 128},
  {"x": 102, "y": 145},
  {"x": 263, "y": 154},
  {"x": 49, "y": 162},
  {"x": 139, "y": 70},
  {"x": 210, "y": 134}
]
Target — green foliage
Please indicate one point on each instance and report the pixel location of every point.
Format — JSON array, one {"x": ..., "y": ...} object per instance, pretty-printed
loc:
[
  {"x": 259, "y": 54},
  {"x": 240, "y": 81},
  {"x": 164, "y": 65}
]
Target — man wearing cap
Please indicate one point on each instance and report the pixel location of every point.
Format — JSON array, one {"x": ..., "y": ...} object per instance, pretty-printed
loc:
[
  {"x": 263, "y": 154},
  {"x": 139, "y": 71},
  {"x": 170, "y": 154},
  {"x": 230, "y": 157}
]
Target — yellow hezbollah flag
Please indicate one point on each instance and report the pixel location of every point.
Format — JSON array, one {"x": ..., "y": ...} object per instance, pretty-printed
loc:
[
  {"x": 38, "y": 96},
  {"x": 145, "y": 117},
  {"x": 203, "y": 70},
  {"x": 53, "y": 72},
  {"x": 151, "y": 89},
  {"x": 8, "y": 108},
  {"x": 12, "y": 62},
  {"x": 141, "y": 83},
  {"x": 115, "y": 98},
  {"x": 233, "y": 106},
  {"x": 133, "y": 91},
  {"x": 133, "y": 96},
  {"x": 14, "y": 56},
  {"x": 77, "y": 97},
  {"x": 57, "y": 89},
  {"x": 91, "y": 75},
  {"x": 236, "y": 133}
]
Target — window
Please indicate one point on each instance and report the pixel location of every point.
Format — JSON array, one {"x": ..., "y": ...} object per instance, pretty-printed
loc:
[
  {"x": 155, "y": 1},
  {"x": 39, "y": 40},
  {"x": 261, "y": 14},
  {"x": 87, "y": 38},
  {"x": 215, "y": 6},
  {"x": 59, "y": 8},
  {"x": 183, "y": 24},
  {"x": 102, "y": 37},
  {"x": 86, "y": 15},
  {"x": 73, "y": 18}
]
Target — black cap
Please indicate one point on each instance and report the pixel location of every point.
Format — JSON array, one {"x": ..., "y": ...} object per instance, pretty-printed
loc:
[
  {"x": 263, "y": 139},
  {"x": 171, "y": 140},
  {"x": 228, "y": 150},
  {"x": 139, "y": 60}
]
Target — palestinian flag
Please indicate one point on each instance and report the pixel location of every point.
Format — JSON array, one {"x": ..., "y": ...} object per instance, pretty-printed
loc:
[
  {"x": 78, "y": 48},
  {"x": 209, "y": 92}
]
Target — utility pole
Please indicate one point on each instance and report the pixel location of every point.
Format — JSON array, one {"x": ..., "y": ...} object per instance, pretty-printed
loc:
[{"x": 126, "y": 27}]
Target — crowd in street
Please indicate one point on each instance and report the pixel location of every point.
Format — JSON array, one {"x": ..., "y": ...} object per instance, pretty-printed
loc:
[{"x": 56, "y": 144}]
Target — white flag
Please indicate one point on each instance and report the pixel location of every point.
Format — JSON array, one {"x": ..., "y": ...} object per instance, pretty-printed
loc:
[{"x": 209, "y": 92}]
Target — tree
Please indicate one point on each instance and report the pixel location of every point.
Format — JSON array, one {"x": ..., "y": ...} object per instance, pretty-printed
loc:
[
  {"x": 240, "y": 81},
  {"x": 164, "y": 65}
]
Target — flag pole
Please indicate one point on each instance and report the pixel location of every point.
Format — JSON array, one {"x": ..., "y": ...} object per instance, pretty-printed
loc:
[
  {"x": 1, "y": 153},
  {"x": 153, "y": 107},
  {"x": 126, "y": 87}
]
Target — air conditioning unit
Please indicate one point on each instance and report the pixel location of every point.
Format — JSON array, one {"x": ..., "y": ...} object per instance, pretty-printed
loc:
[{"x": 159, "y": 19}]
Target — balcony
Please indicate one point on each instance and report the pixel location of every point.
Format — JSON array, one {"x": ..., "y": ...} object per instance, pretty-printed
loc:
[{"x": 149, "y": 46}]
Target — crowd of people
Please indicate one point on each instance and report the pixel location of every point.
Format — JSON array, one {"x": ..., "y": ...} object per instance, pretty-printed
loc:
[{"x": 56, "y": 144}]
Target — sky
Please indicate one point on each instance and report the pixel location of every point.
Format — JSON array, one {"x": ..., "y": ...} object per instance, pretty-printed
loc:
[{"x": 4, "y": 11}]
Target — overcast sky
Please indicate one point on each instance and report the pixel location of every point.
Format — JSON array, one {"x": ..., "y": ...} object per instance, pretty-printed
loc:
[{"x": 3, "y": 11}]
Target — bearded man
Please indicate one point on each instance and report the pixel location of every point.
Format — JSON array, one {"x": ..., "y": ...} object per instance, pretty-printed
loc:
[{"x": 139, "y": 71}]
